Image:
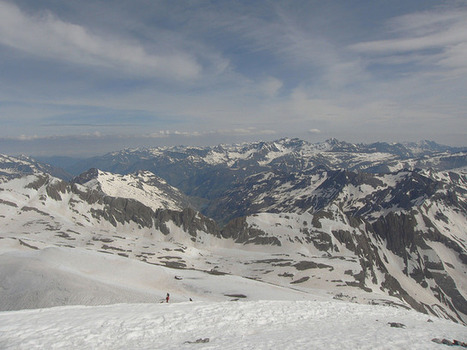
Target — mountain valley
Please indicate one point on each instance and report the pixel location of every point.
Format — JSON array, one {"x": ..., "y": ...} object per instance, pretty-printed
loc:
[{"x": 373, "y": 224}]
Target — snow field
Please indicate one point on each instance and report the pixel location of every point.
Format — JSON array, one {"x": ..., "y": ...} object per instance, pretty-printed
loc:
[
  {"x": 224, "y": 325},
  {"x": 53, "y": 276},
  {"x": 270, "y": 317}
]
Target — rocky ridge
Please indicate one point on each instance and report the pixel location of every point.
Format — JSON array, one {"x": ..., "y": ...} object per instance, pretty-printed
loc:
[{"x": 355, "y": 233}]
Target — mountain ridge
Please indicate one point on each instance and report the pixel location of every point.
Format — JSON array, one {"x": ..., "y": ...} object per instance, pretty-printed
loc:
[
  {"x": 407, "y": 150},
  {"x": 353, "y": 233}
]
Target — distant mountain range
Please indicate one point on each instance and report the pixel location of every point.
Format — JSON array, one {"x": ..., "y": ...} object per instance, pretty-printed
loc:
[
  {"x": 363, "y": 222},
  {"x": 286, "y": 154}
]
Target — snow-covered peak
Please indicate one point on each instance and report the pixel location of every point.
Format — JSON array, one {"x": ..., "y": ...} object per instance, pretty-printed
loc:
[
  {"x": 142, "y": 186},
  {"x": 11, "y": 167},
  {"x": 17, "y": 166}
]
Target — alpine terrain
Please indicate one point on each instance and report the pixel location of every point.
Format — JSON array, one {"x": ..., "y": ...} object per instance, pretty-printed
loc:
[{"x": 377, "y": 224}]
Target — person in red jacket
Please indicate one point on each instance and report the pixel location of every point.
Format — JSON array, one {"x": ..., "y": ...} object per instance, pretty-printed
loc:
[{"x": 167, "y": 297}]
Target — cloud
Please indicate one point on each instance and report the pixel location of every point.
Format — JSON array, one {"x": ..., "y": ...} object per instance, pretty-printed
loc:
[
  {"x": 455, "y": 56},
  {"x": 169, "y": 133},
  {"x": 303, "y": 105},
  {"x": 94, "y": 143},
  {"x": 45, "y": 35},
  {"x": 35, "y": 137},
  {"x": 288, "y": 40},
  {"x": 420, "y": 32},
  {"x": 244, "y": 132},
  {"x": 271, "y": 86},
  {"x": 154, "y": 135},
  {"x": 431, "y": 37},
  {"x": 220, "y": 132},
  {"x": 161, "y": 72},
  {"x": 25, "y": 138}
]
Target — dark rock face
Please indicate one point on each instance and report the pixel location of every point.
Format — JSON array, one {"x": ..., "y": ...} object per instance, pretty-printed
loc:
[
  {"x": 54, "y": 190},
  {"x": 41, "y": 181},
  {"x": 123, "y": 211},
  {"x": 190, "y": 221},
  {"x": 394, "y": 288},
  {"x": 305, "y": 265},
  {"x": 86, "y": 176},
  {"x": 449, "y": 292},
  {"x": 397, "y": 230},
  {"x": 241, "y": 232}
]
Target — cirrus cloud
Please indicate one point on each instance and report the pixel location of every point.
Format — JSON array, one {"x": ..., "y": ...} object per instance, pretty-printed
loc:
[
  {"x": 430, "y": 37},
  {"x": 45, "y": 35}
]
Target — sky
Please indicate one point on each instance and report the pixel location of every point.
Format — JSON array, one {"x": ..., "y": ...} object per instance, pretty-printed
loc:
[{"x": 85, "y": 77}]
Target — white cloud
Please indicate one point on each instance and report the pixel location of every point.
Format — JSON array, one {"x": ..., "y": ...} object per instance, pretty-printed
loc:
[
  {"x": 169, "y": 133},
  {"x": 45, "y": 35},
  {"x": 271, "y": 86},
  {"x": 35, "y": 137},
  {"x": 26, "y": 137},
  {"x": 244, "y": 131},
  {"x": 303, "y": 106},
  {"x": 420, "y": 32},
  {"x": 455, "y": 56},
  {"x": 434, "y": 37},
  {"x": 424, "y": 23},
  {"x": 224, "y": 132},
  {"x": 154, "y": 135}
]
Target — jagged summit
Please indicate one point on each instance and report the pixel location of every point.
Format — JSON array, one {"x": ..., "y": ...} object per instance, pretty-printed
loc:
[{"x": 87, "y": 176}]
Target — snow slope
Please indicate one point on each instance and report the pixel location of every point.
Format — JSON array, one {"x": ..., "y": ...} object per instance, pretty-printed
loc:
[
  {"x": 228, "y": 312},
  {"x": 225, "y": 325},
  {"x": 51, "y": 276}
]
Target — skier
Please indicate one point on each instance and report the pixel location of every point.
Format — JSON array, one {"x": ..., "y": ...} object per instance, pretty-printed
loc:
[{"x": 167, "y": 298}]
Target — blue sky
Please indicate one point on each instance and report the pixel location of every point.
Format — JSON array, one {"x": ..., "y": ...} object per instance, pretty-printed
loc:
[{"x": 84, "y": 77}]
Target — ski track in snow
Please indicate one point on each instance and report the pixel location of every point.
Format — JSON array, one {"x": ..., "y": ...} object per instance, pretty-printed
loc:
[{"x": 227, "y": 325}]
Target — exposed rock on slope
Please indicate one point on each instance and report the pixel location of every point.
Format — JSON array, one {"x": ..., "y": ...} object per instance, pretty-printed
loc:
[
  {"x": 142, "y": 186},
  {"x": 287, "y": 221},
  {"x": 407, "y": 229}
]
